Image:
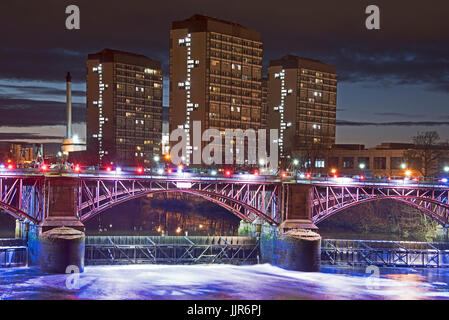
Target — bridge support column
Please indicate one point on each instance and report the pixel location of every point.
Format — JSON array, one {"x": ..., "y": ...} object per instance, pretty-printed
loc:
[
  {"x": 295, "y": 245},
  {"x": 298, "y": 206},
  {"x": 61, "y": 234}
]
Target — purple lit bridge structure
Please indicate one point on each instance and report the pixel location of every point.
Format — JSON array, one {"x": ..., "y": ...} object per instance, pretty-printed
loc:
[{"x": 55, "y": 199}]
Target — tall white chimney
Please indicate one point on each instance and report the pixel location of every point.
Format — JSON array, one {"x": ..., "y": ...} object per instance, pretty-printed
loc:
[{"x": 69, "y": 105}]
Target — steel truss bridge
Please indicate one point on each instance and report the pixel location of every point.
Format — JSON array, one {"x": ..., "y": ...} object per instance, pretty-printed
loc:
[
  {"x": 31, "y": 196},
  {"x": 332, "y": 199}
]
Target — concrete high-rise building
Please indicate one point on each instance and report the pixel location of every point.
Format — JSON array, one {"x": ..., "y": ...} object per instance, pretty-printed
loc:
[
  {"x": 165, "y": 130},
  {"x": 264, "y": 106},
  {"x": 124, "y": 108},
  {"x": 302, "y": 99},
  {"x": 215, "y": 75}
]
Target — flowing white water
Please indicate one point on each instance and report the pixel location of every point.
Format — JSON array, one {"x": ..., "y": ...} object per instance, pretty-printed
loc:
[{"x": 223, "y": 282}]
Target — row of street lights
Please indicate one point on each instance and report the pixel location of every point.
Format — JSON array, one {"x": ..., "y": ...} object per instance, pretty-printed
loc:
[{"x": 362, "y": 166}]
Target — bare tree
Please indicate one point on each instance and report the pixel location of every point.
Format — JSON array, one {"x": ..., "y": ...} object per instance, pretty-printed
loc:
[{"x": 425, "y": 152}]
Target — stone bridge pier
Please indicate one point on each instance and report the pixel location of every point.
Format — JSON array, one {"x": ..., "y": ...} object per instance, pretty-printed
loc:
[
  {"x": 58, "y": 241},
  {"x": 295, "y": 244}
]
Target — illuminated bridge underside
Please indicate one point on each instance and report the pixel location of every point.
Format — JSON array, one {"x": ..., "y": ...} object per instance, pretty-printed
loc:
[
  {"x": 330, "y": 200},
  {"x": 246, "y": 200}
]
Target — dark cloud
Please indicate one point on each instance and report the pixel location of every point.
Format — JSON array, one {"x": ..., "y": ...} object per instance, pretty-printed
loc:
[
  {"x": 400, "y": 114},
  {"x": 395, "y": 123},
  {"x": 26, "y": 136},
  {"x": 411, "y": 47},
  {"x": 421, "y": 65},
  {"x": 24, "y": 112},
  {"x": 39, "y": 90}
]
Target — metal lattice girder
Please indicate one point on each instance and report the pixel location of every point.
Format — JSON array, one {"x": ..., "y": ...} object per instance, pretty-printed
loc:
[
  {"x": 22, "y": 197},
  {"x": 248, "y": 200},
  {"x": 26, "y": 196},
  {"x": 331, "y": 199}
]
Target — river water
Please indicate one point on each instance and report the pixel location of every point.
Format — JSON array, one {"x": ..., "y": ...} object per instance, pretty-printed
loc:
[{"x": 198, "y": 282}]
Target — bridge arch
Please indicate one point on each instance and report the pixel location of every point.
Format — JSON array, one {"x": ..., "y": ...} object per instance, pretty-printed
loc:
[
  {"x": 436, "y": 209},
  {"x": 16, "y": 213},
  {"x": 87, "y": 210}
]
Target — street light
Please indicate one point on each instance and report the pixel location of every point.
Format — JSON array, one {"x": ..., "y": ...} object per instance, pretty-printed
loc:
[
  {"x": 403, "y": 166},
  {"x": 446, "y": 169},
  {"x": 362, "y": 166},
  {"x": 295, "y": 162},
  {"x": 156, "y": 158},
  {"x": 408, "y": 173}
]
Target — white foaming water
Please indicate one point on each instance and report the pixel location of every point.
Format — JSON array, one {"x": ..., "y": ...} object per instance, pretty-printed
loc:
[{"x": 224, "y": 282}]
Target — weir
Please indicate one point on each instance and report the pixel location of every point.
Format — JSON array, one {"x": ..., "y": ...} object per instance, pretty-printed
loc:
[
  {"x": 13, "y": 253},
  {"x": 105, "y": 250},
  {"x": 385, "y": 253},
  {"x": 237, "y": 250}
]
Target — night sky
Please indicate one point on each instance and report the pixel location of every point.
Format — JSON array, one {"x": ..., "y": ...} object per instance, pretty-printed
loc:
[{"x": 393, "y": 82}]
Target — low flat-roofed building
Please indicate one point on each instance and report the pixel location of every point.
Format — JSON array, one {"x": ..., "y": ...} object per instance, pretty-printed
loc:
[{"x": 386, "y": 159}]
